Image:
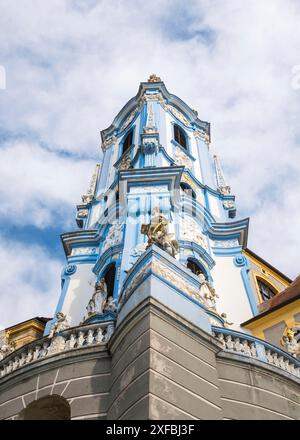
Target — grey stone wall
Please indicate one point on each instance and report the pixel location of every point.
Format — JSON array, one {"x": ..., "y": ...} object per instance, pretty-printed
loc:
[
  {"x": 162, "y": 370},
  {"x": 253, "y": 392},
  {"x": 157, "y": 365},
  {"x": 83, "y": 378},
  {"x": 184, "y": 380},
  {"x": 274, "y": 334}
]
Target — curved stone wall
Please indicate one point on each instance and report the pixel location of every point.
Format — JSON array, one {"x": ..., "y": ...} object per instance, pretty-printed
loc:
[
  {"x": 252, "y": 391},
  {"x": 156, "y": 365},
  {"x": 81, "y": 376}
]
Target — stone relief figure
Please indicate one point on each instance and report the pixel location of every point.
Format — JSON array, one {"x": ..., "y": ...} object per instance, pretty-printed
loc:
[
  {"x": 290, "y": 342},
  {"x": 190, "y": 231},
  {"x": 110, "y": 305},
  {"x": 113, "y": 237},
  {"x": 98, "y": 300},
  {"x": 207, "y": 292},
  {"x": 226, "y": 322},
  {"x": 125, "y": 163},
  {"x": 157, "y": 233},
  {"x": 7, "y": 347},
  {"x": 61, "y": 324}
]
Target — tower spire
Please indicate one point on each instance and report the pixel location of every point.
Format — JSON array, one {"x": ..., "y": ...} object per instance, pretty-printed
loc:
[
  {"x": 90, "y": 194},
  {"x": 222, "y": 185}
]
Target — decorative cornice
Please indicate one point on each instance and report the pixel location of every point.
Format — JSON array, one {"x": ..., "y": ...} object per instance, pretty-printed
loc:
[
  {"x": 229, "y": 231},
  {"x": 158, "y": 262},
  {"x": 155, "y": 91}
]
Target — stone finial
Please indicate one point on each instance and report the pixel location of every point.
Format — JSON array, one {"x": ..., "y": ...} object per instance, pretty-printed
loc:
[
  {"x": 222, "y": 185},
  {"x": 154, "y": 78}
]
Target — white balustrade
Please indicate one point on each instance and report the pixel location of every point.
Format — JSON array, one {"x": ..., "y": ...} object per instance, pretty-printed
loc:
[
  {"x": 70, "y": 339},
  {"x": 258, "y": 349}
]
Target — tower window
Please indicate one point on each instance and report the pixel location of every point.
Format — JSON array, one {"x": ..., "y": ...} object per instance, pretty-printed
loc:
[
  {"x": 188, "y": 190},
  {"x": 127, "y": 141},
  {"x": 180, "y": 136},
  {"x": 265, "y": 290},
  {"x": 110, "y": 279},
  {"x": 195, "y": 267}
]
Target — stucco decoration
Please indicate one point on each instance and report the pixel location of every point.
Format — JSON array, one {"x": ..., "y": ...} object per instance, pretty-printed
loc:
[
  {"x": 177, "y": 114},
  {"x": 125, "y": 163},
  {"x": 156, "y": 96},
  {"x": 226, "y": 322},
  {"x": 182, "y": 159},
  {"x": 129, "y": 119},
  {"x": 70, "y": 269},
  {"x": 214, "y": 321},
  {"x": 148, "y": 189},
  {"x": 84, "y": 251},
  {"x": 150, "y": 145},
  {"x": 190, "y": 231},
  {"x": 139, "y": 250},
  {"x": 83, "y": 213},
  {"x": 77, "y": 338},
  {"x": 110, "y": 305},
  {"x": 167, "y": 274},
  {"x": 176, "y": 280},
  {"x": 111, "y": 140},
  {"x": 6, "y": 347},
  {"x": 57, "y": 345},
  {"x": 229, "y": 204},
  {"x": 240, "y": 261},
  {"x": 114, "y": 236},
  {"x": 154, "y": 78},
  {"x": 226, "y": 243},
  {"x": 202, "y": 135}
]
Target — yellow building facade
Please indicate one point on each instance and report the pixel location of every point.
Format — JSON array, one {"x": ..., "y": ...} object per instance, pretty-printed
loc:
[{"x": 278, "y": 300}]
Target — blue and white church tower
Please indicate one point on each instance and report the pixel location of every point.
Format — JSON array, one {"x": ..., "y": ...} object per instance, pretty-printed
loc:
[
  {"x": 158, "y": 183},
  {"x": 157, "y": 315}
]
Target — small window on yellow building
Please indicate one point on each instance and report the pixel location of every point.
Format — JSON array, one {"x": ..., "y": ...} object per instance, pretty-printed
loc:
[{"x": 266, "y": 291}]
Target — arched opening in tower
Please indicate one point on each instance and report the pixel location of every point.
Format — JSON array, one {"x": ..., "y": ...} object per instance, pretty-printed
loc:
[
  {"x": 47, "y": 408},
  {"x": 127, "y": 141},
  {"x": 109, "y": 277},
  {"x": 189, "y": 192},
  {"x": 180, "y": 136},
  {"x": 195, "y": 267}
]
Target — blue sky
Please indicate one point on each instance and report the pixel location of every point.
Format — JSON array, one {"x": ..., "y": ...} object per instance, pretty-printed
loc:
[{"x": 71, "y": 65}]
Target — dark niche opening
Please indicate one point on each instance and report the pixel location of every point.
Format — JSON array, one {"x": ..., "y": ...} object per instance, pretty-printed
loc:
[{"x": 47, "y": 408}]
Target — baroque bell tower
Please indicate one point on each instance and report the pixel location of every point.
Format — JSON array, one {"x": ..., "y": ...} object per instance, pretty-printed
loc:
[
  {"x": 157, "y": 302},
  {"x": 157, "y": 170}
]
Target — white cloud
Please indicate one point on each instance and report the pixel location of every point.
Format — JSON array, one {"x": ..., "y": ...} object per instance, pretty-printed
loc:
[
  {"x": 39, "y": 187},
  {"x": 30, "y": 282}
]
